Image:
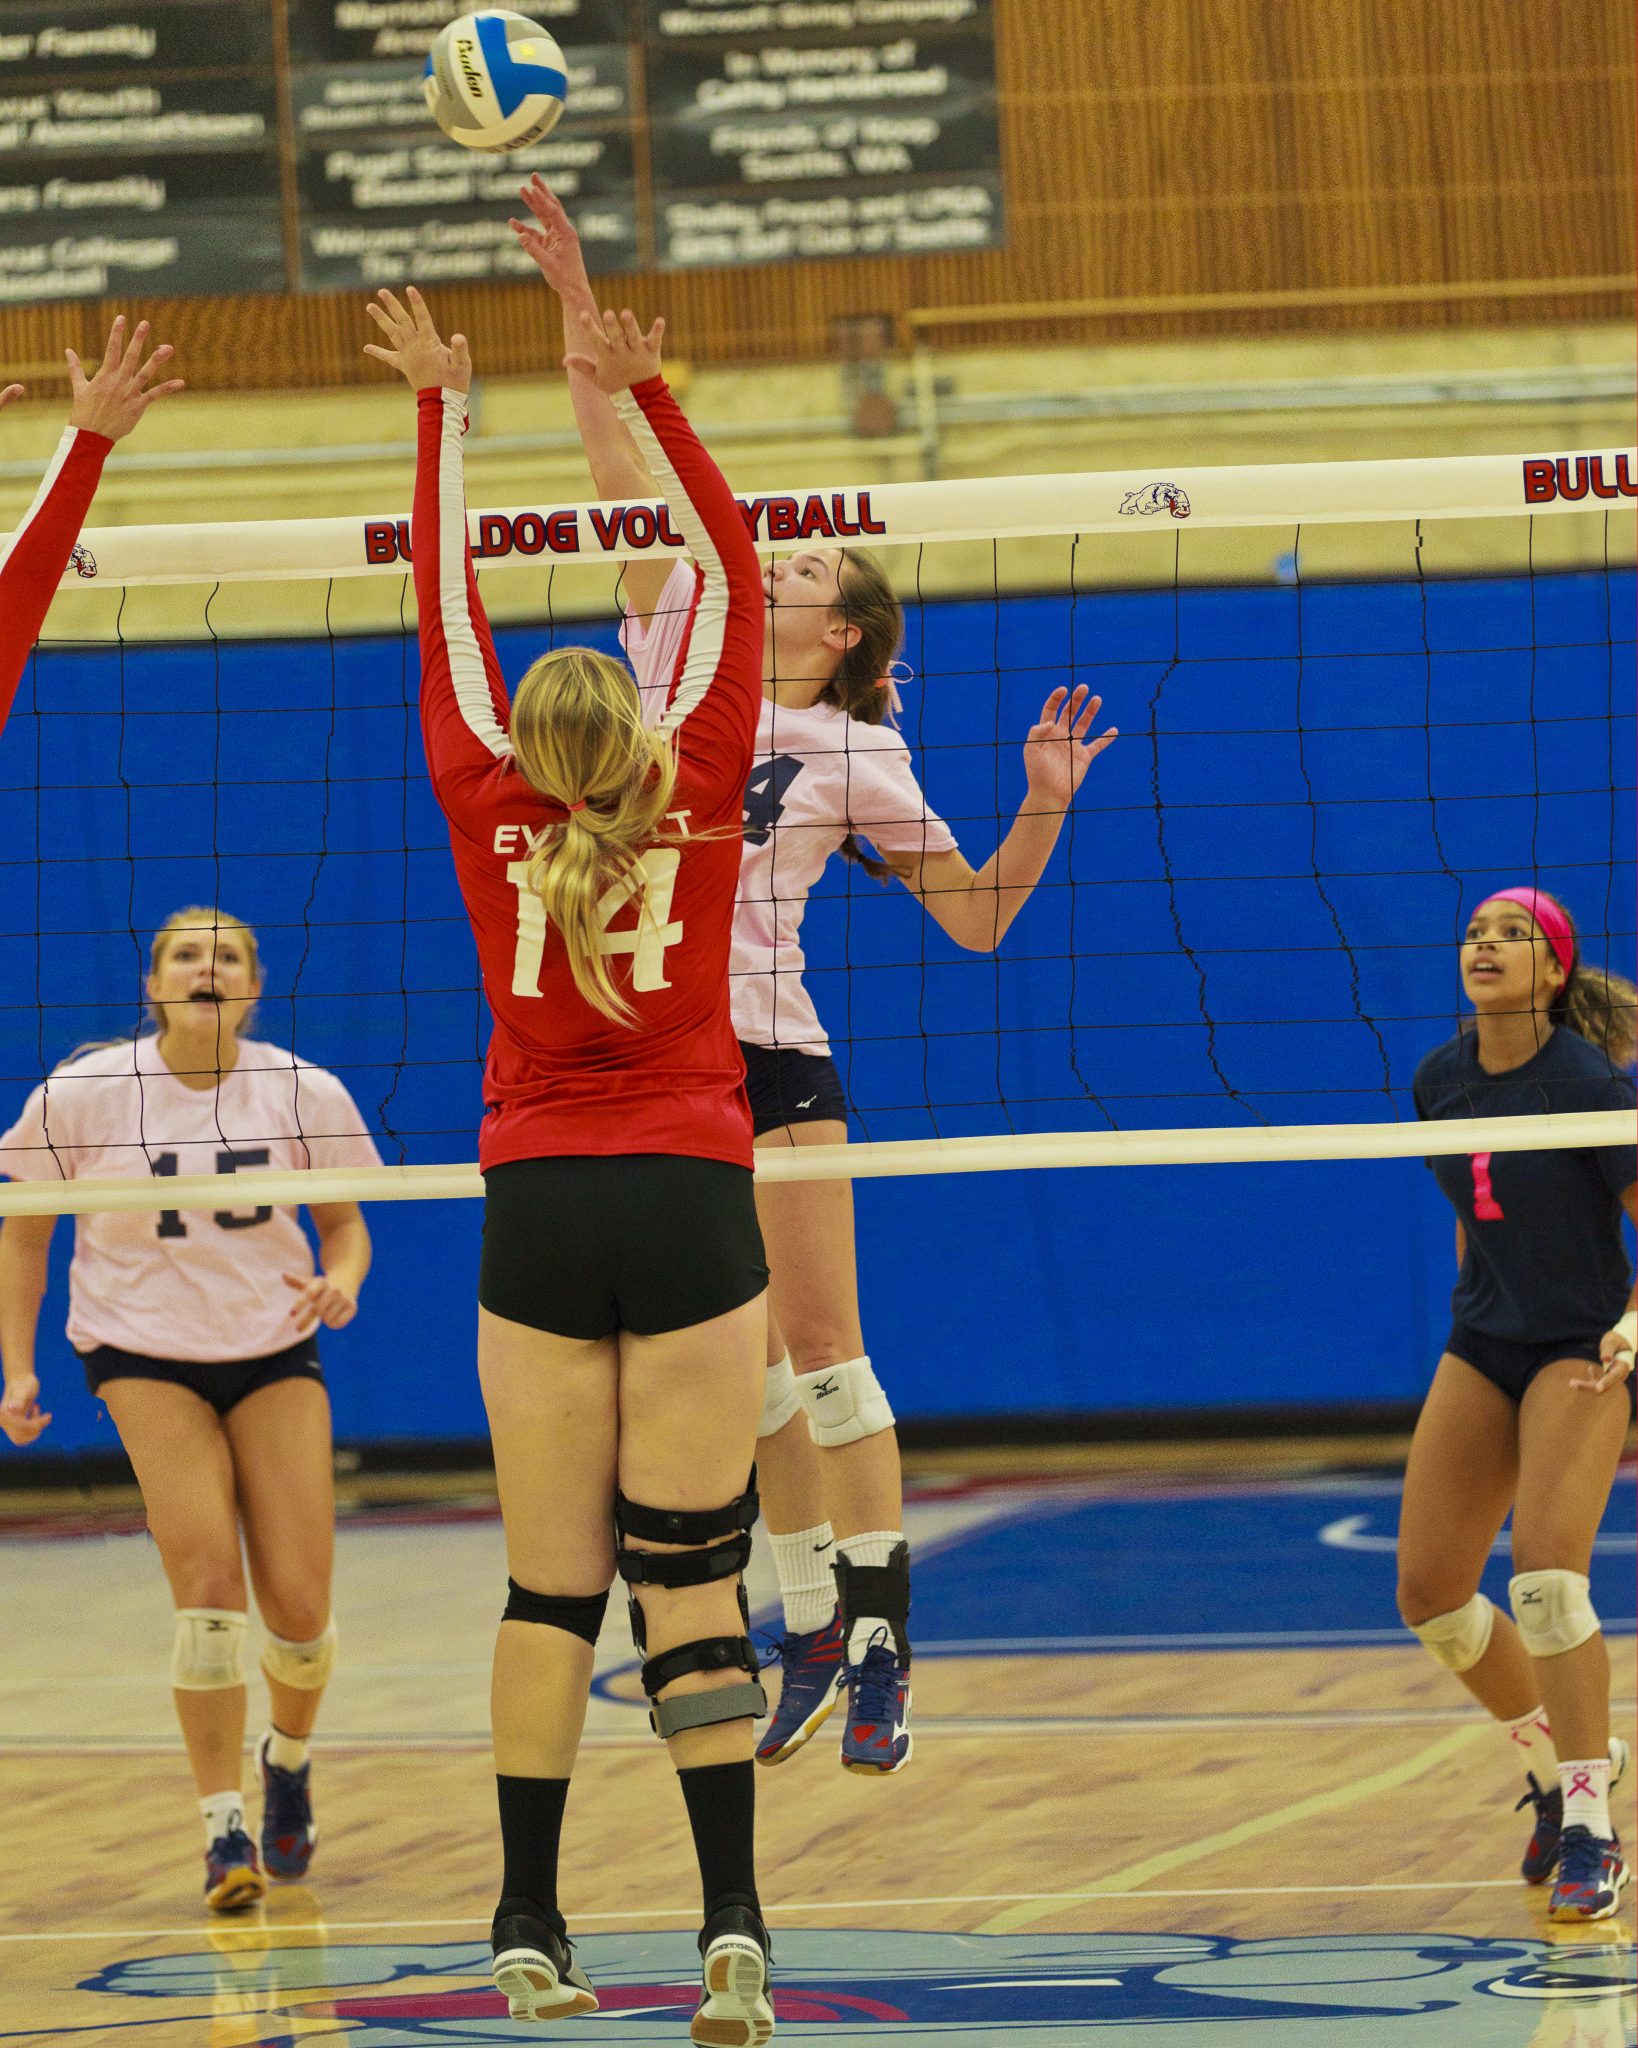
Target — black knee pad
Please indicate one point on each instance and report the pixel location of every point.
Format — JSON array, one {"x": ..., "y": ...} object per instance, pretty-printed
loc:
[
  {"x": 576, "y": 1616},
  {"x": 879, "y": 1592}
]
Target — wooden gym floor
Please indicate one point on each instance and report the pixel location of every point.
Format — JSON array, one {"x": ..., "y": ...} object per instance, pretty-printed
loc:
[{"x": 1177, "y": 1772}]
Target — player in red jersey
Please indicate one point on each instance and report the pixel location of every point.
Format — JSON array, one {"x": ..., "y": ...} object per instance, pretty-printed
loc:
[
  {"x": 622, "y": 1313},
  {"x": 105, "y": 409}
]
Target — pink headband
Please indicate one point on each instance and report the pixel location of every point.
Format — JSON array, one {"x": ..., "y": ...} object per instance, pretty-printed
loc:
[{"x": 1550, "y": 920}]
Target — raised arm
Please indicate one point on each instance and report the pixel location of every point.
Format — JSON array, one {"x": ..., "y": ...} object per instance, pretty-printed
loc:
[
  {"x": 618, "y": 468},
  {"x": 976, "y": 906},
  {"x": 716, "y": 698},
  {"x": 464, "y": 707},
  {"x": 105, "y": 408}
]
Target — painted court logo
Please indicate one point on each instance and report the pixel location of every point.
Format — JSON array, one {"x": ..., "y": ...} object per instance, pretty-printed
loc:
[
  {"x": 1154, "y": 498},
  {"x": 895, "y": 1989}
]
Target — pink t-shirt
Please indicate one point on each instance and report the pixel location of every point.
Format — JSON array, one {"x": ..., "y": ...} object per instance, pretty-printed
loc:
[
  {"x": 818, "y": 776},
  {"x": 191, "y": 1284}
]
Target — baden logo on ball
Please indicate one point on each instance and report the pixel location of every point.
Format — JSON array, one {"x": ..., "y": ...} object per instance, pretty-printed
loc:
[{"x": 495, "y": 81}]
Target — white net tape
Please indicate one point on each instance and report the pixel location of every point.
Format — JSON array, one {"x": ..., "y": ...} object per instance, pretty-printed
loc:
[{"x": 964, "y": 509}]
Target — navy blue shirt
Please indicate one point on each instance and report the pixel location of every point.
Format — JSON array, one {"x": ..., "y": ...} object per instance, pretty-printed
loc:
[{"x": 1545, "y": 1255}]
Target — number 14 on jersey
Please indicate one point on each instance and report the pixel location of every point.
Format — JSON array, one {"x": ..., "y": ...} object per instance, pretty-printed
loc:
[{"x": 647, "y": 941}]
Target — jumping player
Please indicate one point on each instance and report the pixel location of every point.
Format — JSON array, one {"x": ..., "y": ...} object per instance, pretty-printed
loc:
[
  {"x": 622, "y": 1289},
  {"x": 106, "y": 407},
  {"x": 831, "y": 768},
  {"x": 1526, "y": 1409},
  {"x": 196, "y": 1329}
]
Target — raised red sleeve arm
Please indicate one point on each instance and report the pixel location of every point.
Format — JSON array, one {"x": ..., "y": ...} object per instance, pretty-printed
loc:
[
  {"x": 717, "y": 694},
  {"x": 32, "y": 563},
  {"x": 464, "y": 707}
]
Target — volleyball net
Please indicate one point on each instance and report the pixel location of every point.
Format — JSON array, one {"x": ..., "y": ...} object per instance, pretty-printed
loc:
[{"x": 1353, "y": 699}]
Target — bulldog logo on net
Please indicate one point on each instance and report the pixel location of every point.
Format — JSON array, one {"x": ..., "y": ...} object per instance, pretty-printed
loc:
[{"x": 1154, "y": 498}]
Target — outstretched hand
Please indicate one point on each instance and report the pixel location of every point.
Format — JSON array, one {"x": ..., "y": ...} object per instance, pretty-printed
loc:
[
  {"x": 11, "y": 391},
  {"x": 551, "y": 241},
  {"x": 413, "y": 346},
  {"x": 112, "y": 401},
  {"x": 618, "y": 353},
  {"x": 1057, "y": 752}
]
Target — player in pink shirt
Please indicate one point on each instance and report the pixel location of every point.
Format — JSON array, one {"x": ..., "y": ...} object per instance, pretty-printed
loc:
[
  {"x": 32, "y": 560},
  {"x": 196, "y": 1329},
  {"x": 830, "y": 769}
]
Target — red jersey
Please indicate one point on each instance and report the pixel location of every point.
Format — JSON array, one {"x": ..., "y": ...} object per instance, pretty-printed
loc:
[
  {"x": 33, "y": 560},
  {"x": 562, "y": 1079}
]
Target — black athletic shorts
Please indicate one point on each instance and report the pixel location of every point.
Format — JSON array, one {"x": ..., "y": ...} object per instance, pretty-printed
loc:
[
  {"x": 1512, "y": 1366},
  {"x": 224, "y": 1383},
  {"x": 789, "y": 1087},
  {"x": 646, "y": 1242}
]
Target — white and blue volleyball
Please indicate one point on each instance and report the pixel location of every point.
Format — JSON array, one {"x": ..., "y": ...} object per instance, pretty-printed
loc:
[{"x": 495, "y": 80}]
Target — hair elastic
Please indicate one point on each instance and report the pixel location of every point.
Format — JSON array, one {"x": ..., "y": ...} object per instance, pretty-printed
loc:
[
  {"x": 1551, "y": 920},
  {"x": 578, "y": 805}
]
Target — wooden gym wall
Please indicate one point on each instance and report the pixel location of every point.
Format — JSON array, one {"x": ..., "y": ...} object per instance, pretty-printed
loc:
[{"x": 1365, "y": 156}]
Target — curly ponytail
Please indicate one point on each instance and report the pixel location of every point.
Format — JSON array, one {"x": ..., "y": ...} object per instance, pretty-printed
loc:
[
  {"x": 579, "y": 739},
  {"x": 1598, "y": 1006}
]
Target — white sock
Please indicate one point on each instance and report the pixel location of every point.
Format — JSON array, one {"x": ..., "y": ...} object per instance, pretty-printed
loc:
[
  {"x": 223, "y": 1811},
  {"x": 289, "y": 1752},
  {"x": 807, "y": 1582},
  {"x": 1532, "y": 1741},
  {"x": 1586, "y": 1789},
  {"x": 873, "y": 1546}
]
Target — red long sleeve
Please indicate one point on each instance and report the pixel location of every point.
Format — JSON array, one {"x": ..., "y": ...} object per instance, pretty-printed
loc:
[{"x": 32, "y": 563}]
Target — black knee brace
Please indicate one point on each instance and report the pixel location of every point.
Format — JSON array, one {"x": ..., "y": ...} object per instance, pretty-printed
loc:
[
  {"x": 877, "y": 1592},
  {"x": 701, "y": 1562},
  {"x": 576, "y": 1616}
]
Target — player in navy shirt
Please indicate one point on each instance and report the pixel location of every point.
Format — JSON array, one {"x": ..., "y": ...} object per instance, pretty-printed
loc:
[{"x": 1529, "y": 1408}]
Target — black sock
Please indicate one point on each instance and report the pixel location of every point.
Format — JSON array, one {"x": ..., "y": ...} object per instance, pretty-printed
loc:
[
  {"x": 721, "y": 1802},
  {"x": 531, "y": 1818}
]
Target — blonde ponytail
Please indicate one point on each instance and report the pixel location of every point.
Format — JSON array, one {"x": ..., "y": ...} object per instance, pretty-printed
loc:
[{"x": 579, "y": 739}]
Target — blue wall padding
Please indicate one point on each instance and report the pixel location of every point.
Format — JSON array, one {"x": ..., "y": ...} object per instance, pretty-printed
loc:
[{"x": 1181, "y": 963}]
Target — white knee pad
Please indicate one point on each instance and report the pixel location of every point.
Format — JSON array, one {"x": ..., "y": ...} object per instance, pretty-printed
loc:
[
  {"x": 780, "y": 1400},
  {"x": 208, "y": 1649},
  {"x": 1553, "y": 1611},
  {"x": 304, "y": 1667},
  {"x": 1458, "y": 1639},
  {"x": 845, "y": 1403}
]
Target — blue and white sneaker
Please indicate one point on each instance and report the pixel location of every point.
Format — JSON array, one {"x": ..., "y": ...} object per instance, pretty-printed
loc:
[
  {"x": 233, "y": 1877},
  {"x": 876, "y": 1740},
  {"x": 808, "y": 1691},
  {"x": 1590, "y": 1878},
  {"x": 289, "y": 1832},
  {"x": 1541, "y": 1855}
]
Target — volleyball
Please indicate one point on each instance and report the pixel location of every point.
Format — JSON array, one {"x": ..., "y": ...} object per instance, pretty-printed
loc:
[{"x": 495, "y": 81}]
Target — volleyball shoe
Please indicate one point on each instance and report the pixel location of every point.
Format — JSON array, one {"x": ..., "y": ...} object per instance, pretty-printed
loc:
[
  {"x": 534, "y": 1966},
  {"x": 735, "y": 2010},
  {"x": 233, "y": 1877},
  {"x": 1541, "y": 1855},
  {"x": 1591, "y": 1874},
  {"x": 289, "y": 1832},
  {"x": 876, "y": 1740},
  {"x": 809, "y": 1689}
]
